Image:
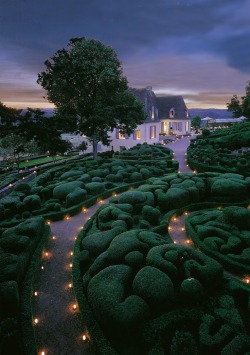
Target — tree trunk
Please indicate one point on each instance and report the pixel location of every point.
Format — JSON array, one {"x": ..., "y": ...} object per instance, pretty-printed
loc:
[{"x": 94, "y": 147}]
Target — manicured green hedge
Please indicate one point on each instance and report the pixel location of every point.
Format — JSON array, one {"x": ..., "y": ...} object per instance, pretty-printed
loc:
[{"x": 21, "y": 248}]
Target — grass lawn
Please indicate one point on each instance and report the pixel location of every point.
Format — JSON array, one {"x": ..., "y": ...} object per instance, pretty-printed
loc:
[{"x": 38, "y": 161}]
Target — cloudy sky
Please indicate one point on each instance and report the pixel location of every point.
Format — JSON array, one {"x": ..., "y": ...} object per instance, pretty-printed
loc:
[{"x": 196, "y": 48}]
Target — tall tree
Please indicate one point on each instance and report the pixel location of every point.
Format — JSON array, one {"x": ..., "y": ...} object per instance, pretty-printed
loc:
[
  {"x": 87, "y": 86},
  {"x": 196, "y": 122},
  {"x": 12, "y": 148},
  {"x": 9, "y": 118},
  {"x": 240, "y": 107}
]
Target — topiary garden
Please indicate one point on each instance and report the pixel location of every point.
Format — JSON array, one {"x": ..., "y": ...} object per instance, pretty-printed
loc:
[
  {"x": 223, "y": 150},
  {"x": 54, "y": 193},
  {"x": 142, "y": 293},
  {"x": 137, "y": 290},
  {"x": 63, "y": 189}
]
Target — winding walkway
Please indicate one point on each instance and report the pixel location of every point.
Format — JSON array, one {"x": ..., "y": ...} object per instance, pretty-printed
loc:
[
  {"x": 58, "y": 326},
  {"x": 57, "y": 322}
]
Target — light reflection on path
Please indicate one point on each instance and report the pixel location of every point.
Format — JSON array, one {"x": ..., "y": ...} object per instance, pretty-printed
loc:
[{"x": 59, "y": 329}]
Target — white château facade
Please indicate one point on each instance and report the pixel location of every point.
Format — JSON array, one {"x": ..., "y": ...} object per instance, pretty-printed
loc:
[{"x": 165, "y": 115}]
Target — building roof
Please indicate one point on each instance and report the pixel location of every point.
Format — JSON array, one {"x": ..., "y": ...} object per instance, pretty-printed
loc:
[
  {"x": 166, "y": 103},
  {"x": 148, "y": 98}
]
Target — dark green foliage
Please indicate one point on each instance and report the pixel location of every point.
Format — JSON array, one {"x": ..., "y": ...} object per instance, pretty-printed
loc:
[
  {"x": 14, "y": 244},
  {"x": 71, "y": 173},
  {"x": 23, "y": 187},
  {"x": 135, "y": 259},
  {"x": 235, "y": 189},
  {"x": 174, "y": 198},
  {"x": 61, "y": 191},
  {"x": 26, "y": 214},
  {"x": 95, "y": 188},
  {"x": 137, "y": 199},
  {"x": 32, "y": 202},
  {"x": 154, "y": 286},
  {"x": 183, "y": 343},
  {"x": 9, "y": 299},
  {"x": 136, "y": 176},
  {"x": 75, "y": 197},
  {"x": 151, "y": 214},
  {"x": 114, "y": 177},
  {"x": 238, "y": 216},
  {"x": 218, "y": 152},
  {"x": 191, "y": 291},
  {"x": 106, "y": 294}
]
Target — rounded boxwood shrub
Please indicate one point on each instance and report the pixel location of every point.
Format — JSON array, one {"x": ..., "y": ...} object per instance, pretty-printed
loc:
[
  {"x": 32, "y": 202},
  {"x": 225, "y": 187},
  {"x": 114, "y": 177},
  {"x": 61, "y": 191},
  {"x": 135, "y": 259},
  {"x": 154, "y": 286},
  {"x": 26, "y": 214},
  {"x": 22, "y": 187},
  {"x": 75, "y": 197},
  {"x": 183, "y": 343},
  {"x": 135, "y": 176},
  {"x": 97, "y": 179},
  {"x": 71, "y": 173},
  {"x": 191, "y": 290},
  {"x": 84, "y": 178},
  {"x": 7, "y": 213},
  {"x": 135, "y": 198},
  {"x": 151, "y": 214},
  {"x": 95, "y": 188},
  {"x": 109, "y": 300},
  {"x": 14, "y": 243},
  {"x": 238, "y": 216}
]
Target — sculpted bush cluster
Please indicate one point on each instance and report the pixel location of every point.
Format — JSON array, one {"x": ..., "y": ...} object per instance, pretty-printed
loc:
[
  {"x": 59, "y": 188},
  {"x": 223, "y": 150},
  {"x": 137, "y": 281}
]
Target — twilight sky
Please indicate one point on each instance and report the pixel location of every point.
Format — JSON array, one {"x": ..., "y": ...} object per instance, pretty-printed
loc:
[{"x": 196, "y": 48}]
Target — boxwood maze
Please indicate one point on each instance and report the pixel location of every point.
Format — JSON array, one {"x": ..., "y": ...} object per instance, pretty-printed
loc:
[
  {"x": 58, "y": 190},
  {"x": 20, "y": 250},
  {"x": 222, "y": 151},
  {"x": 141, "y": 293},
  {"x": 53, "y": 194},
  {"x": 225, "y": 235}
]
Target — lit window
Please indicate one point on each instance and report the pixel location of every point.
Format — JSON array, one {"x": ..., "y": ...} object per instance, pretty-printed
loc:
[
  {"x": 121, "y": 135},
  {"x": 138, "y": 134},
  {"x": 153, "y": 113},
  {"x": 152, "y": 132},
  {"x": 172, "y": 112}
]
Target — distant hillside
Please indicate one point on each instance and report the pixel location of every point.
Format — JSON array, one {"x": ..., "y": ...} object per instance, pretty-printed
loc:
[
  {"x": 202, "y": 112},
  {"x": 210, "y": 112}
]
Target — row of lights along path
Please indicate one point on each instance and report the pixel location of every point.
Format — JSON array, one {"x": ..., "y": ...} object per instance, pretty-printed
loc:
[
  {"x": 57, "y": 322},
  {"x": 56, "y": 318}
]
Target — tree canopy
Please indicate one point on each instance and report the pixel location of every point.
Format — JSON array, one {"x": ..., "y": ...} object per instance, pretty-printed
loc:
[
  {"x": 8, "y": 119},
  {"x": 90, "y": 92},
  {"x": 196, "y": 121},
  {"x": 240, "y": 107}
]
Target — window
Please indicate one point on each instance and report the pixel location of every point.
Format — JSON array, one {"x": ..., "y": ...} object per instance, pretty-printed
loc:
[
  {"x": 121, "y": 135},
  {"x": 172, "y": 112},
  {"x": 152, "y": 133},
  {"x": 138, "y": 134},
  {"x": 153, "y": 113},
  {"x": 179, "y": 126}
]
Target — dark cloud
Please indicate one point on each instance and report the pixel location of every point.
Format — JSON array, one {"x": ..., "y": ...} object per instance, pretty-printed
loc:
[{"x": 142, "y": 30}]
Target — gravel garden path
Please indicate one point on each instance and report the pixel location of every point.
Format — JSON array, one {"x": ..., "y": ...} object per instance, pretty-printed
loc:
[
  {"x": 59, "y": 330},
  {"x": 58, "y": 326}
]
